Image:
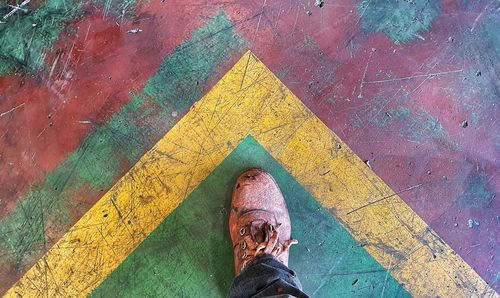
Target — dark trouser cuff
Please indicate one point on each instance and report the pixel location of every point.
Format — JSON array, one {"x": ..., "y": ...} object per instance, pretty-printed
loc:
[{"x": 266, "y": 276}]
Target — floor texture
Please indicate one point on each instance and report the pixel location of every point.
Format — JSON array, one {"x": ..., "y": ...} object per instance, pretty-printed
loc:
[{"x": 412, "y": 87}]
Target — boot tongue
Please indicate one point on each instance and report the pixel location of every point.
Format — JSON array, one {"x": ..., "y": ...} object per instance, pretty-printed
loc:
[{"x": 258, "y": 232}]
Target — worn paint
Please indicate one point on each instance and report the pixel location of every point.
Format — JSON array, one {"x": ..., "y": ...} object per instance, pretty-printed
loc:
[
  {"x": 250, "y": 100},
  {"x": 119, "y": 9},
  {"x": 25, "y": 39},
  {"x": 22, "y": 229},
  {"x": 480, "y": 48},
  {"x": 477, "y": 192},
  {"x": 100, "y": 160},
  {"x": 109, "y": 51},
  {"x": 491, "y": 23},
  {"x": 401, "y": 21},
  {"x": 193, "y": 244},
  {"x": 417, "y": 126}
]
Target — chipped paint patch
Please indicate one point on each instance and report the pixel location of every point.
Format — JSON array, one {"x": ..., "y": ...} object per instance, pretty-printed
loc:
[
  {"x": 401, "y": 21},
  {"x": 120, "y": 9},
  {"x": 417, "y": 126}
]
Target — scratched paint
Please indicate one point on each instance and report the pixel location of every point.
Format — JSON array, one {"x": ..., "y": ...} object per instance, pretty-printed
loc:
[
  {"x": 26, "y": 38},
  {"x": 160, "y": 266},
  {"x": 18, "y": 240},
  {"x": 410, "y": 149},
  {"x": 476, "y": 45},
  {"x": 401, "y": 21},
  {"x": 117, "y": 144},
  {"x": 399, "y": 162},
  {"x": 119, "y": 9},
  {"x": 418, "y": 126},
  {"x": 253, "y": 98}
]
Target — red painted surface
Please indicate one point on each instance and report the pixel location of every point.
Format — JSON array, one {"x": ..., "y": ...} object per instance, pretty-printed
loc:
[
  {"x": 97, "y": 66},
  {"x": 350, "y": 109},
  {"x": 328, "y": 61}
]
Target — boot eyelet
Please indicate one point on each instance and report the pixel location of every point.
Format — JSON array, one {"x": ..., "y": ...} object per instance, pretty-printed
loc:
[
  {"x": 244, "y": 256},
  {"x": 243, "y": 231},
  {"x": 243, "y": 245}
]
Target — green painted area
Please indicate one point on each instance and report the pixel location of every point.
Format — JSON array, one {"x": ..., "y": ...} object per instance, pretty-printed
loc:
[
  {"x": 417, "y": 126},
  {"x": 25, "y": 227},
  {"x": 109, "y": 151},
  {"x": 207, "y": 52},
  {"x": 25, "y": 38},
  {"x": 491, "y": 25},
  {"x": 479, "y": 87},
  {"x": 28, "y": 35},
  {"x": 190, "y": 253},
  {"x": 401, "y": 21}
]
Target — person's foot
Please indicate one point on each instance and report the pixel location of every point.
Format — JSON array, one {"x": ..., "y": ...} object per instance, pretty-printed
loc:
[{"x": 258, "y": 222}]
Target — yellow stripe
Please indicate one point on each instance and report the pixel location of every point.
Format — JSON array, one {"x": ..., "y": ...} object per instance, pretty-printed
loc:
[{"x": 251, "y": 100}]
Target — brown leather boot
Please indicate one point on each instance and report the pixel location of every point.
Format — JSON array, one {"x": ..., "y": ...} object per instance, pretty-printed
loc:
[{"x": 259, "y": 222}]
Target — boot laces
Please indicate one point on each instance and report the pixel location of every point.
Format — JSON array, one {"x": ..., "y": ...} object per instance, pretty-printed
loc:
[{"x": 259, "y": 240}]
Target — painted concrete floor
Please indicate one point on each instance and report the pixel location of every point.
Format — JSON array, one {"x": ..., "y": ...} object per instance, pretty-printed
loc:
[{"x": 413, "y": 88}]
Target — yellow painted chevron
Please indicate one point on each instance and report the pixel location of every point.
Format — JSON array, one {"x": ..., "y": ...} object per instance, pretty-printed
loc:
[{"x": 250, "y": 100}]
